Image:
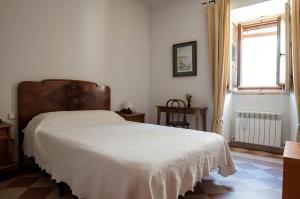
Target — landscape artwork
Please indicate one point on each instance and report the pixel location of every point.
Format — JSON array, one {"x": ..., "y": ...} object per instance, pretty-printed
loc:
[{"x": 185, "y": 59}]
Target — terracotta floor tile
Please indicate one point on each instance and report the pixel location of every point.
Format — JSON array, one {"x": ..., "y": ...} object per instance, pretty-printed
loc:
[
  {"x": 211, "y": 187},
  {"x": 243, "y": 175},
  {"x": 7, "y": 182},
  {"x": 234, "y": 186},
  {"x": 269, "y": 194},
  {"x": 44, "y": 182},
  {"x": 246, "y": 195},
  {"x": 275, "y": 183},
  {"x": 254, "y": 162},
  {"x": 239, "y": 158},
  {"x": 274, "y": 172},
  {"x": 36, "y": 193},
  {"x": 273, "y": 165},
  {"x": 246, "y": 166},
  {"x": 31, "y": 174},
  {"x": 11, "y": 193},
  {"x": 23, "y": 182},
  {"x": 255, "y": 184},
  {"x": 221, "y": 196},
  {"x": 261, "y": 153},
  {"x": 259, "y": 173},
  {"x": 54, "y": 194},
  {"x": 201, "y": 196}
]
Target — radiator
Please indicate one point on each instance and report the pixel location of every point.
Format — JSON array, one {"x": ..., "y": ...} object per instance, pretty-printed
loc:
[{"x": 258, "y": 128}]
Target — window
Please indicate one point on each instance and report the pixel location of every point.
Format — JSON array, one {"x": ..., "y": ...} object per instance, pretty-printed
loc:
[{"x": 261, "y": 63}]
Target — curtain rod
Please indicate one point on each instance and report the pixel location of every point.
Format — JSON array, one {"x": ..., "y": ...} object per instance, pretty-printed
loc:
[{"x": 211, "y": 1}]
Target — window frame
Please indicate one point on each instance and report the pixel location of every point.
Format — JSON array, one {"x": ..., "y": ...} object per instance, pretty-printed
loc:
[{"x": 262, "y": 23}]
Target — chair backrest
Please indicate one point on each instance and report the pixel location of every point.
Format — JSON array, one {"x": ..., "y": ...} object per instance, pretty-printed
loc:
[{"x": 176, "y": 106}]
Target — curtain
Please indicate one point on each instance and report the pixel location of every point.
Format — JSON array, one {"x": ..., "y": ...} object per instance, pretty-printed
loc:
[
  {"x": 219, "y": 38},
  {"x": 288, "y": 49},
  {"x": 295, "y": 24}
]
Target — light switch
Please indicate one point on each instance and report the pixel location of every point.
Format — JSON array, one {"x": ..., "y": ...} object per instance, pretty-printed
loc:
[{"x": 11, "y": 116}]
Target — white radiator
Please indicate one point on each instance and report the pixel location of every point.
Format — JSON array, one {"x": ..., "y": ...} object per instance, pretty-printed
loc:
[{"x": 258, "y": 128}]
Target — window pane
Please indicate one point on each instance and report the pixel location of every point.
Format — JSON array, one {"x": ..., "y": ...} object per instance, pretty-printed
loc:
[
  {"x": 261, "y": 30},
  {"x": 283, "y": 52},
  {"x": 259, "y": 61},
  {"x": 282, "y": 37},
  {"x": 282, "y": 70}
]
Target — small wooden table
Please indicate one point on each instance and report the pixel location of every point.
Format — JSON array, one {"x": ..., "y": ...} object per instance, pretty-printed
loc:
[
  {"x": 291, "y": 171},
  {"x": 197, "y": 111}
]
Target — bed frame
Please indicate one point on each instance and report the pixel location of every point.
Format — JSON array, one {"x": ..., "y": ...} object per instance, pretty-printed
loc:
[{"x": 51, "y": 95}]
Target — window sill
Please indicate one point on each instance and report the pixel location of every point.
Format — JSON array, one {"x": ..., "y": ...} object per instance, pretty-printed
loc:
[{"x": 260, "y": 92}]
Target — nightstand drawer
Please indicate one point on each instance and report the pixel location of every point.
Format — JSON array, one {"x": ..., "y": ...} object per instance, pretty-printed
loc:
[
  {"x": 133, "y": 117},
  {"x": 4, "y": 132},
  {"x": 4, "y": 153},
  {"x": 5, "y": 146},
  {"x": 136, "y": 118}
]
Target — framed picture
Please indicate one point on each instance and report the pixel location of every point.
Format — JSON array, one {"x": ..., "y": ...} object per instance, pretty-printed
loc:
[{"x": 185, "y": 59}]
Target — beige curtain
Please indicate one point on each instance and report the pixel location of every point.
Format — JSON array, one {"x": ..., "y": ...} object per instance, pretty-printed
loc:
[
  {"x": 295, "y": 24},
  {"x": 288, "y": 51},
  {"x": 219, "y": 38}
]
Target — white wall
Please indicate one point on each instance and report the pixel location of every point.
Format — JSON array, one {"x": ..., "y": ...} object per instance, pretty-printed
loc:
[
  {"x": 180, "y": 21},
  {"x": 265, "y": 103},
  {"x": 174, "y": 22},
  {"x": 284, "y": 104},
  {"x": 293, "y": 117},
  {"x": 103, "y": 41}
]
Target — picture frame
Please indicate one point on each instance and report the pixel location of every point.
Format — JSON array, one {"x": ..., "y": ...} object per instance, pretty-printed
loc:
[{"x": 185, "y": 59}]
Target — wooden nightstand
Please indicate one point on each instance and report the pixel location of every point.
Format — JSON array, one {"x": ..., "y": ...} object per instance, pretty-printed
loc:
[
  {"x": 5, "y": 146},
  {"x": 134, "y": 117},
  {"x": 291, "y": 168}
]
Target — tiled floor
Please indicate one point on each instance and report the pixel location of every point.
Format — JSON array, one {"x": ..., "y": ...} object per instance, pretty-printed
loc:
[
  {"x": 257, "y": 178},
  {"x": 255, "y": 152}
]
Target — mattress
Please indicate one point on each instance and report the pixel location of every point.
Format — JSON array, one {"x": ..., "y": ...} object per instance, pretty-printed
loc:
[{"x": 100, "y": 155}]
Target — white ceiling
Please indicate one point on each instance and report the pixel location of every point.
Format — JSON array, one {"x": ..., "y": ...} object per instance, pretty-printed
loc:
[
  {"x": 242, "y": 2},
  {"x": 268, "y": 8},
  {"x": 152, "y": 2}
]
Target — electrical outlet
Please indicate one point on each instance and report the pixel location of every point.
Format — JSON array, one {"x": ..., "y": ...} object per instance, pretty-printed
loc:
[{"x": 11, "y": 116}]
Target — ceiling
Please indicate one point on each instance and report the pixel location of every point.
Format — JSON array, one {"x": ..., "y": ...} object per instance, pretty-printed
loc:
[
  {"x": 151, "y": 2},
  {"x": 242, "y": 2},
  {"x": 268, "y": 8}
]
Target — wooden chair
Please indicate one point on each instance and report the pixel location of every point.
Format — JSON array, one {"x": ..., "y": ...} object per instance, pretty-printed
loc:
[{"x": 175, "y": 116}]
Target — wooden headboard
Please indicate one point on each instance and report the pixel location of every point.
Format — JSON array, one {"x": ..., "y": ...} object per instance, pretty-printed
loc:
[{"x": 58, "y": 95}]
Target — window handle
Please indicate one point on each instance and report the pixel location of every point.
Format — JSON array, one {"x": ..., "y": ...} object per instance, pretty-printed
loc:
[{"x": 282, "y": 54}]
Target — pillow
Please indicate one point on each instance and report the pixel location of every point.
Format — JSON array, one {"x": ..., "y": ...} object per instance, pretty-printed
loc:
[{"x": 74, "y": 119}]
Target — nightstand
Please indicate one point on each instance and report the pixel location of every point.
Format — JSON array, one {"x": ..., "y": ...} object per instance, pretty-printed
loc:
[
  {"x": 291, "y": 167},
  {"x": 5, "y": 148},
  {"x": 133, "y": 117}
]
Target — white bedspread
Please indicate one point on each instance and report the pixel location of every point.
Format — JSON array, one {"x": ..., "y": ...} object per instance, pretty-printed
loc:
[{"x": 102, "y": 156}]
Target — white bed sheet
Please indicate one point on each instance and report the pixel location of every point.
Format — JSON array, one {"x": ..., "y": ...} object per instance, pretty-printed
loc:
[{"x": 102, "y": 156}]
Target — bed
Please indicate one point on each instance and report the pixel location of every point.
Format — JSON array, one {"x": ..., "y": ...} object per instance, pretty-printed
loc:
[{"x": 68, "y": 128}]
